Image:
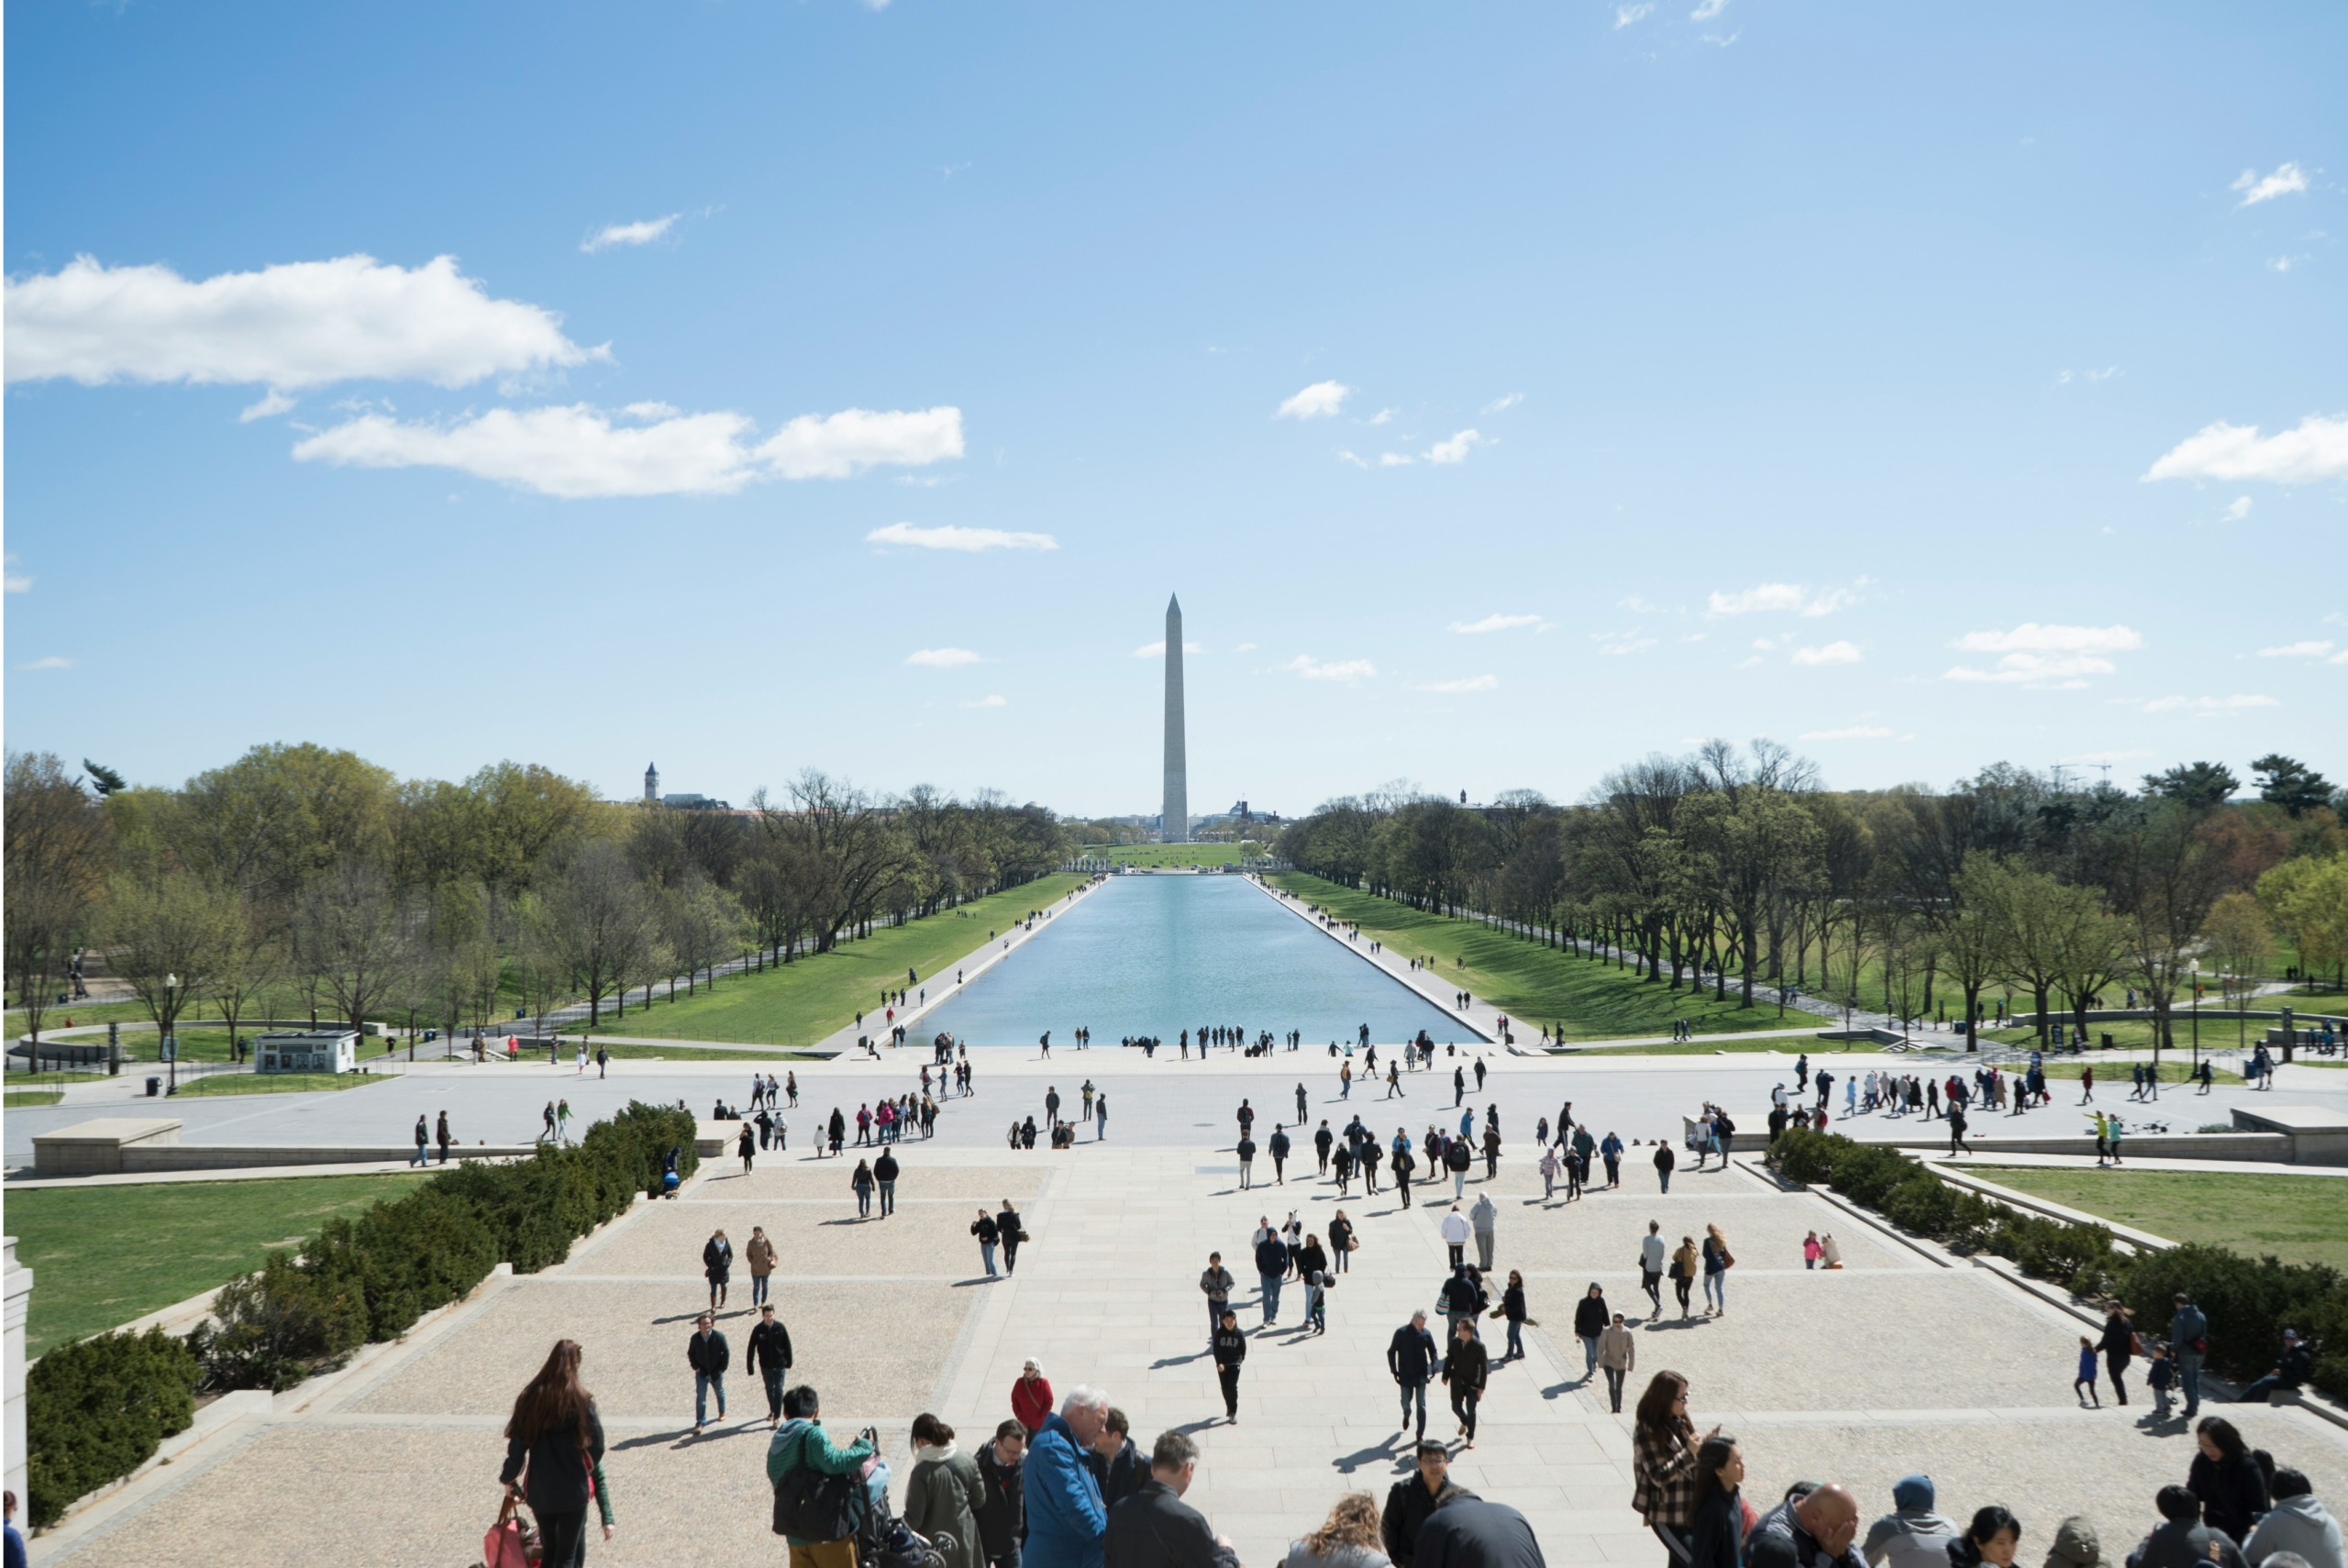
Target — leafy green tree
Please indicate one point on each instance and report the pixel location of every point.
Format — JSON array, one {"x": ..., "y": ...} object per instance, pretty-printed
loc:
[
  {"x": 2198, "y": 785},
  {"x": 56, "y": 851},
  {"x": 2286, "y": 782}
]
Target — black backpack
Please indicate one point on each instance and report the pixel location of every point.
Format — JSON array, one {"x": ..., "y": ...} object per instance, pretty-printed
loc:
[{"x": 813, "y": 1505}]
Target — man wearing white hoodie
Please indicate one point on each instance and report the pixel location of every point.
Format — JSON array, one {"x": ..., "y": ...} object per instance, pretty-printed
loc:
[{"x": 2297, "y": 1523}]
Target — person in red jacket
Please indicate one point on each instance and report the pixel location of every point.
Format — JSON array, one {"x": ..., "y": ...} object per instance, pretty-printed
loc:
[{"x": 1031, "y": 1397}]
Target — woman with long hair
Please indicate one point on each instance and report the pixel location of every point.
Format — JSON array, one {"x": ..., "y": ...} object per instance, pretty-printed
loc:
[
  {"x": 1717, "y": 1262},
  {"x": 1989, "y": 1541},
  {"x": 1717, "y": 1539},
  {"x": 2231, "y": 1486},
  {"x": 862, "y": 1179},
  {"x": 1685, "y": 1266},
  {"x": 554, "y": 1456},
  {"x": 1348, "y": 1537},
  {"x": 1663, "y": 1463}
]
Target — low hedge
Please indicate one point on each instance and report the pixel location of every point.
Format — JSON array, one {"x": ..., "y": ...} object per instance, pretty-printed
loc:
[
  {"x": 96, "y": 1409},
  {"x": 2249, "y": 1301}
]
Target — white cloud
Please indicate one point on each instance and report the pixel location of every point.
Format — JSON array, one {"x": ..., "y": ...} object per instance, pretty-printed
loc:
[
  {"x": 2287, "y": 180},
  {"x": 1616, "y": 646},
  {"x": 301, "y": 323},
  {"x": 2313, "y": 649},
  {"x": 1471, "y": 683},
  {"x": 579, "y": 452},
  {"x": 1771, "y": 597},
  {"x": 2318, "y": 449},
  {"x": 1393, "y": 460},
  {"x": 992, "y": 700},
  {"x": 1157, "y": 648},
  {"x": 1383, "y": 416},
  {"x": 1502, "y": 405},
  {"x": 942, "y": 659},
  {"x": 1852, "y": 732},
  {"x": 1638, "y": 605},
  {"x": 269, "y": 407},
  {"x": 1748, "y": 663},
  {"x": 2236, "y": 510},
  {"x": 2209, "y": 706},
  {"x": 2052, "y": 656},
  {"x": 1494, "y": 623},
  {"x": 1722, "y": 41},
  {"x": 51, "y": 662},
  {"x": 2284, "y": 263},
  {"x": 1345, "y": 671},
  {"x": 1625, "y": 14},
  {"x": 1318, "y": 400},
  {"x": 13, "y": 580},
  {"x": 1828, "y": 653},
  {"x": 1455, "y": 450},
  {"x": 642, "y": 233},
  {"x": 1707, "y": 9},
  {"x": 1346, "y": 457},
  {"x": 1245, "y": 647},
  {"x": 950, "y": 537}
]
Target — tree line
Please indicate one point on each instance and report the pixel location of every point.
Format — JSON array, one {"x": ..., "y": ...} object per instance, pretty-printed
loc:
[
  {"x": 1739, "y": 864},
  {"x": 299, "y": 872}
]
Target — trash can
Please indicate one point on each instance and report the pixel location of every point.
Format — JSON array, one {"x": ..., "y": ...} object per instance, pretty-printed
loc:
[{"x": 154, "y": 1088}]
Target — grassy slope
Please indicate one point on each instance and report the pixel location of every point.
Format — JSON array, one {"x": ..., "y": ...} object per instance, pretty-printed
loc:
[
  {"x": 157, "y": 1245},
  {"x": 804, "y": 1001},
  {"x": 1533, "y": 984},
  {"x": 2298, "y": 1219},
  {"x": 1169, "y": 854}
]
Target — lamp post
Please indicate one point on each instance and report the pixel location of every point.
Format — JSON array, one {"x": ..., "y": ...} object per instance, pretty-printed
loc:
[
  {"x": 171, "y": 1040},
  {"x": 2197, "y": 1012}
]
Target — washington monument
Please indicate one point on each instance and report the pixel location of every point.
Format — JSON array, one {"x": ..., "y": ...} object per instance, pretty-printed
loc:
[{"x": 1174, "y": 826}]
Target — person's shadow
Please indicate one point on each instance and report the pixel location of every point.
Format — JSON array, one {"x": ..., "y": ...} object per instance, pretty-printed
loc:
[{"x": 1387, "y": 1452}]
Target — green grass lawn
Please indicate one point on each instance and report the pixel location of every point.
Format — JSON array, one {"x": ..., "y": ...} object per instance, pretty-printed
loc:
[
  {"x": 1532, "y": 984},
  {"x": 19, "y": 1098},
  {"x": 689, "y": 1053},
  {"x": 1171, "y": 855},
  {"x": 2298, "y": 1219},
  {"x": 802, "y": 1001},
  {"x": 103, "y": 1255},
  {"x": 277, "y": 1083}
]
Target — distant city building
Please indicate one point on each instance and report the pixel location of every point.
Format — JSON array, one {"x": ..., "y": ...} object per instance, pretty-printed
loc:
[
  {"x": 694, "y": 803},
  {"x": 651, "y": 784}
]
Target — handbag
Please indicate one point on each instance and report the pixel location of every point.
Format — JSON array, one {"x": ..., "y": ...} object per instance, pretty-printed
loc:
[{"x": 510, "y": 1541}]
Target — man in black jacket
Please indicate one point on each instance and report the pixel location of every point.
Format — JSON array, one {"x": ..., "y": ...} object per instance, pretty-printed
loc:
[
  {"x": 1271, "y": 1267},
  {"x": 1230, "y": 1350},
  {"x": 1464, "y": 1369},
  {"x": 1473, "y": 1533},
  {"x": 709, "y": 1355},
  {"x": 1278, "y": 1147},
  {"x": 770, "y": 1359},
  {"x": 884, "y": 1172},
  {"x": 1414, "y": 1500},
  {"x": 1003, "y": 1513},
  {"x": 1154, "y": 1528},
  {"x": 1321, "y": 1143},
  {"x": 2291, "y": 1368},
  {"x": 1410, "y": 1356},
  {"x": 1116, "y": 1465},
  {"x": 1011, "y": 1232}
]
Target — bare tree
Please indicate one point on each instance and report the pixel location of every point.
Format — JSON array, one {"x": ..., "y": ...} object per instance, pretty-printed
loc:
[
  {"x": 351, "y": 941},
  {"x": 170, "y": 932},
  {"x": 598, "y": 923},
  {"x": 56, "y": 862}
]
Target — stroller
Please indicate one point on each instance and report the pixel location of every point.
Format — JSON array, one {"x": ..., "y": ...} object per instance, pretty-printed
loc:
[{"x": 884, "y": 1540}]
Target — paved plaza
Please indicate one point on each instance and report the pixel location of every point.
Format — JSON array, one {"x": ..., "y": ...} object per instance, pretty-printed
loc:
[{"x": 1901, "y": 1362}]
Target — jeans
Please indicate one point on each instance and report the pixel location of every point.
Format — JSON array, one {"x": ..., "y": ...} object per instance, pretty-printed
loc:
[
  {"x": 864, "y": 1202},
  {"x": 888, "y": 1197},
  {"x": 1011, "y": 1257},
  {"x": 772, "y": 1376},
  {"x": 419, "y": 1156},
  {"x": 759, "y": 1288},
  {"x": 1314, "y": 1314},
  {"x": 1517, "y": 1339},
  {"x": 2254, "y": 1395},
  {"x": 1484, "y": 1244},
  {"x": 1215, "y": 1309},
  {"x": 1615, "y": 1389},
  {"x": 1666, "y": 1177},
  {"x": 1460, "y": 1184},
  {"x": 1548, "y": 1186},
  {"x": 2189, "y": 1378},
  {"x": 1229, "y": 1377},
  {"x": 1247, "y": 1172},
  {"x": 1462, "y": 1404},
  {"x": 562, "y": 1538},
  {"x": 1653, "y": 1284},
  {"x": 1716, "y": 1290},
  {"x": 1271, "y": 1284},
  {"x": 1415, "y": 1391},
  {"x": 1100, "y": 1128},
  {"x": 986, "y": 1251},
  {"x": 1341, "y": 1259},
  {"x": 1588, "y": 1356},
  {"x": 704, "y": 1383}
]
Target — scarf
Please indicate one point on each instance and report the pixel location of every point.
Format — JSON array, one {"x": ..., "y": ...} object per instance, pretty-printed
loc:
[{"x": 926, "y": 1454}]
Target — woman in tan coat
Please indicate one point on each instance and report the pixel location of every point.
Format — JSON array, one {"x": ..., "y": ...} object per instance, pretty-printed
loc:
[
  {"x": 760, "y": 1255},
  {"x": 944, "y": 1494}
]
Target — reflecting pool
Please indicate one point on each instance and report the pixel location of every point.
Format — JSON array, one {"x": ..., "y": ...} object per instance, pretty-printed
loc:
[{"x": 1155, "y": 954}]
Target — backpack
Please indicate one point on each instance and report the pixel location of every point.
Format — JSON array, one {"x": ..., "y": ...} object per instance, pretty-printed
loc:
[{"x": 814, "y": 1505}]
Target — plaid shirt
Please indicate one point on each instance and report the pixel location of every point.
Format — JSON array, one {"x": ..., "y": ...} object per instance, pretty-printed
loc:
[{"x": 1666, "y": 1472}]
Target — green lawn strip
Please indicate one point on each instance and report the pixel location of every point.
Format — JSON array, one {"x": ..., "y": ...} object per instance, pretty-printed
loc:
[
  {"x": 688, "y": 1053},
  {"x": 277, "y": 1083},
  {"x": 1532, "y": 984},
  {"x": 801, "y": 1003},
  {"x": 2298, "y": 1219},
  {"x": 23, "y": 1098},
  {"x": 103, "y": 1255},
  {"x": 1159, "y": 856},
  {"x": 1789, "y": 1045},
  {"x": 2131, "y": 1035}
]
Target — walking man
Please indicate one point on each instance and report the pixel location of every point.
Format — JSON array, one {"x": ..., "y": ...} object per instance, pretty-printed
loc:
[
  {"x": 423, "y": 1137},
  {"x": 709, "y": 1355},
  {"x": 1217, "y": 1281},
  {"x": 1280, "y": 1147},
  {"x": 1483, "y": 1219},
  {"x": 1410, "y": 1357},
  {"x": 983, "y": 1227},
  {"x": 770, "y": 1359},
  {"x": 441, "y": 1133},
  {"x": 1653, "y": 1250},
  {"x": 1246, "y": 1151},
  {"x": 2188, "y": 1342},
  {"x": 1011, "y": 1232},
  {"x": 1271, "y": 1267},
  {"x": 1664, "y": 1159},
  {"x": 1454, "y": 1235},
  {"x": 884, "y": 1172},
  {"x": 1230, "y": 1350},
  {"x": 1466, "y": 1369}
]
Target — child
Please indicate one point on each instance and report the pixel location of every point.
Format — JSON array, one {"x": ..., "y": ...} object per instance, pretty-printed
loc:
[
  {"x": 2084, "y": 1384},
  {"x": 1810, "y": 1251},
  {"x": 2159, "y": 1377}
]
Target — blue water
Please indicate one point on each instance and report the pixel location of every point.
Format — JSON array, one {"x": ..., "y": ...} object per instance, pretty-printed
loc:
[{"x": 1159, "y": 955}]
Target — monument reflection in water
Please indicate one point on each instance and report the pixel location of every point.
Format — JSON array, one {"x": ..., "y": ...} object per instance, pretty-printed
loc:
[{"x": 1156, "y": 955}]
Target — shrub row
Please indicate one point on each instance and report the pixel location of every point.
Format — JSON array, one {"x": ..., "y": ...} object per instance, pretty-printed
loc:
[
  {"x": 111, "y": 1399},
  {"x": 2249, "y": 1301}
]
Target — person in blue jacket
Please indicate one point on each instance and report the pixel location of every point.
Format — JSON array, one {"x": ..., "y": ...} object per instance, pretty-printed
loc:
[{"x": 1066, "y": 1520}]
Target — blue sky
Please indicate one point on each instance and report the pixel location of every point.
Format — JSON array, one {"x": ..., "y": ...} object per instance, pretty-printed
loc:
[{"x": 1921, "y": 388}]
